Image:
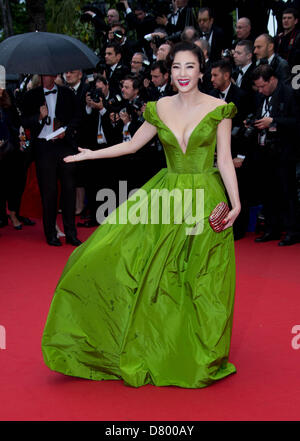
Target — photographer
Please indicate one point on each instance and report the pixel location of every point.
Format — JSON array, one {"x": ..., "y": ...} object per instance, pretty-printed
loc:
[
  {"x": 229, "y": 92},
  {"x": 133, "y": 169},
  {"x": 117, "y": 34},
  {"x": 139, "y": 64},
  {"x": 116, "y": 70},
  {"x": 181, "y": 17},
  {"x": 95, "y": 13},
  {"x": 100, "y": 133},
  {"x": 140, "y": 21},
  {"x": 212, "y": 33},
  {"x": 277, "y": 122}
]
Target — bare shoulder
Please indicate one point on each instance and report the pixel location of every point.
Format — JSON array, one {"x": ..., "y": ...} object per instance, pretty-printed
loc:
[
  {"x": 164, "y": 102},
  {"x": 213, "y": 102}
]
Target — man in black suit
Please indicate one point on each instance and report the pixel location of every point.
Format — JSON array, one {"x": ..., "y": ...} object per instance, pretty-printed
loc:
[
  {"x": 75, "y": 80},
  {"x": 205, "y": 85},
  {"x": 115, "y": 69},
  {"x": 277, "y": 122},
  {"x": 182, "y": 16},
  {"x": 257, "y": 11},
  {"x": 100, "y": 134},
  {"x": 229, "y": 92},
  {"x": 213, "y": 34},
  {"x": 129, "y": 47},
  {"x": 288, "y": 41},
  {"x": 244, "y": 67},
  {"x": 243, "y": 31},
  {"x": 160, "y": 78},
  {"x": 264, "y": 50},
  {"x": 140, "y": 21},
  {"x": 43, "y": 109}
]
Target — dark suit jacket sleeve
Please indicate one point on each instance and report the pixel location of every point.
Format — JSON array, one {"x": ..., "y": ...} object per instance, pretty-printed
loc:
[
  {"x": 292, "y": 119},
  {"x": 30, "y": 111}
]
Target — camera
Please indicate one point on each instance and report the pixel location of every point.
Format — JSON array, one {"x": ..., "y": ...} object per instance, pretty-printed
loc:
[
  {"x": 137, "y": 103},
  {"x": 175, "y": 37},
  {"x": 251, "y": 130},
  {"x": 114, "y": 104},
  {"x": 96, "y": 95},
  {"x": 117, "y": 37}
]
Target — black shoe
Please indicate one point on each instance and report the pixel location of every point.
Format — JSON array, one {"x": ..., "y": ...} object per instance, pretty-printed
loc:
[
  {"x": 54, "y": 241},
  {"x": 266, "y": 237},
  {"x": 88, "y": 224},
  {"x": 290, "y": 239},
  {"x": 73, "y": 240},
  {"x": 26, "y": 221}
]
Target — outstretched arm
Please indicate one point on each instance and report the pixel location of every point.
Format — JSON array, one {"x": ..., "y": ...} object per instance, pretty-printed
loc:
[
  {"x": 143, "y": 135},
  {"x": 226, "y": 167}
]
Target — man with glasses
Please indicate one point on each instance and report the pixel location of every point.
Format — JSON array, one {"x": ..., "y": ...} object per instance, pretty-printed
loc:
[{"x": 210, "y": 32}]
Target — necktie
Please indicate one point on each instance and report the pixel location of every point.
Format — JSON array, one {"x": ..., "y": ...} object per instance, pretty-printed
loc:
[
  {"x": 222, "y": 95},
  {"x": 50, "y": 91},
  {"x": 74, "y": 90}
]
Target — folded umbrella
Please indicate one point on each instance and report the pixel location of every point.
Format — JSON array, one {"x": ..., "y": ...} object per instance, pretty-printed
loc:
[{"x": 45, "y": 53}]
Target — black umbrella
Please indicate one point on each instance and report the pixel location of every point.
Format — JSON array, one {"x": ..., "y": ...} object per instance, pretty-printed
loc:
[{"x": 45, "y": 53}]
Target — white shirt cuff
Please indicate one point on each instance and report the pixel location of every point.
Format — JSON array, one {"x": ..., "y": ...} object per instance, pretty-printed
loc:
[{"x": 241, "y": 156}]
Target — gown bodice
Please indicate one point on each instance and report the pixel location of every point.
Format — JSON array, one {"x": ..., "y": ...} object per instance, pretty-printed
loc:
[{"x": 199, "y": 154}]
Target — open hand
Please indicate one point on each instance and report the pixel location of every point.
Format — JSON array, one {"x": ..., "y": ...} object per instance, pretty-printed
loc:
[{"x": 82, "y": 156}]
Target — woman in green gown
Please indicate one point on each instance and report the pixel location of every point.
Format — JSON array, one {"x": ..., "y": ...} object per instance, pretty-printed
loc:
[{"x": 148, "y": 298}]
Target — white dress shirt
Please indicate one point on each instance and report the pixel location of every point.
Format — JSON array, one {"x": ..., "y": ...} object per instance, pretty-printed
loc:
[{"x": 51, "y": 104}]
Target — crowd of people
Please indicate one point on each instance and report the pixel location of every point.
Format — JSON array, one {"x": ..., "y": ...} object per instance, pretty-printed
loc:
[{"x": 242, "y": 64}]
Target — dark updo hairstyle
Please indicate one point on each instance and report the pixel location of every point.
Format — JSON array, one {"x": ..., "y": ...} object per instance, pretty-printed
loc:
[{"x": 186, "y": 46}]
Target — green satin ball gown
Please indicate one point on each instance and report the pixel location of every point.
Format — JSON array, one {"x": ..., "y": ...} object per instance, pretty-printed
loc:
[{"x": 146, "y": 302}]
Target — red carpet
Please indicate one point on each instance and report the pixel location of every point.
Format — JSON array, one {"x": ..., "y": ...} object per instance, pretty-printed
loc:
[{"x": 266, "y": 386}]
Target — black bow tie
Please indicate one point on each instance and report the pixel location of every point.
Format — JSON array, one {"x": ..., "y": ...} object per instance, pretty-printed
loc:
[
  {"x": 221, "y": 94},
  {"x": 206, "y": 35},
  {"x": 50, "y": 91},
  {"x": 240, "y": 71}
]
